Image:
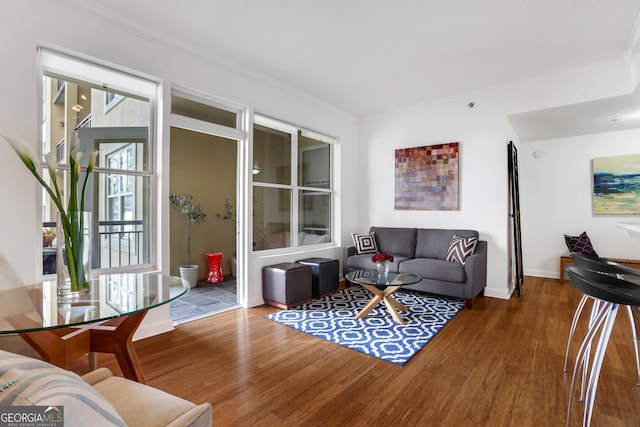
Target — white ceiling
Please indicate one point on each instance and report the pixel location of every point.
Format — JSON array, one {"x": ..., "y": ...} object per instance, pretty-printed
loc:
[{"x": 372, "y": 56}]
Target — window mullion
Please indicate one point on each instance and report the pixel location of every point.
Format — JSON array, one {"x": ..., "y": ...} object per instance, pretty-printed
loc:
[
  {"x": 196, "y": 125},
  {"x": 295, "y": 194}
]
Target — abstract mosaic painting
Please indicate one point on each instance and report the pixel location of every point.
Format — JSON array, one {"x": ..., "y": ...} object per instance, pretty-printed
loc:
[
  {"x": 616, "y": 185},
  {"x": 427, "y": 177}
]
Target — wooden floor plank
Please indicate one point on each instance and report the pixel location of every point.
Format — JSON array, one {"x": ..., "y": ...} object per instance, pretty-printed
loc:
[{"x": 499, "y": 364}]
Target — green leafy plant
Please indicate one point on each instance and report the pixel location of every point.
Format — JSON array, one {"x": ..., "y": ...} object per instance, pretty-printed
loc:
[
  {"x": 229, "y": 213},
  {"x": 72, "y": 223},
  {"x": 194, "y": 213}
]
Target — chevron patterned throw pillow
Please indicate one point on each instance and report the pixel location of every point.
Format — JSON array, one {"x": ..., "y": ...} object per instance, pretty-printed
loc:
[{"x": 460, "y": 248}]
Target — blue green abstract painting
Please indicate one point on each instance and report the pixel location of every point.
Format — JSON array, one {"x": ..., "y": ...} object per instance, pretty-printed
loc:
[{"x": 616, "y": 185}]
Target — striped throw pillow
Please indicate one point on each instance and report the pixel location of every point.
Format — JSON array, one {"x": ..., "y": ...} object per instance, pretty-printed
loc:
[
  {"x": 31, "y": 382},
  {"x": 460, "y": 248}
]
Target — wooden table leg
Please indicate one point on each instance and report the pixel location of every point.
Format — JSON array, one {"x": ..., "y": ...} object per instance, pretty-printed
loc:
[
  {"x": 372, "y": 303},
  {"x": 93, "y": 361},
  {"x": 385, "y": 296},
  {"x": 59, "y": 346},
  {"x": 393, "y": 304},
  {"x": 115, "y": 336},
  {"x": 394, "y": 313},
  {"x": 64, "y": 345}
]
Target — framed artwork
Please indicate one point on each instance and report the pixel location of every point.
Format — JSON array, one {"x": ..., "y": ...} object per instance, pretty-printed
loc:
[
  {"x": 616, "y": 185},
  {"x": 427, "y": 177}
]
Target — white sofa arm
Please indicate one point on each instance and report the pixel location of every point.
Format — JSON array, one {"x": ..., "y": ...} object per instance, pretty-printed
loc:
[{"x": 143, "y": 405}]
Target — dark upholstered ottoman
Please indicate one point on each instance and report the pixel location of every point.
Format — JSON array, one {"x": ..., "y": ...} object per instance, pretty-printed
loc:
[
  {"x": 286, "y": 285},
  {"x": 324, "y": 275}
]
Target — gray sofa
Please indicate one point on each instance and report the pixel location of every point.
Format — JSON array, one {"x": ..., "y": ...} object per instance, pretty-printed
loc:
[{"x": 423, "y": 252}]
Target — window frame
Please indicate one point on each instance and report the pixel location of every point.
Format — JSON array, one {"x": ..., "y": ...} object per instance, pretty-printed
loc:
[
  {"x": 296, "y": 187},
  {"x": 120, "y": 194},
  {"x": 111, "y": 102},
  {"x": 240, "y": 133},
  {"x": 70, "y": 66}
]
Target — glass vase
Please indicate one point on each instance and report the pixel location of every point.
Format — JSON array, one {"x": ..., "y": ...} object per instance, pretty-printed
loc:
[
  {"x": 383, "y": 272},
  {"x": 73, "y": 257}
]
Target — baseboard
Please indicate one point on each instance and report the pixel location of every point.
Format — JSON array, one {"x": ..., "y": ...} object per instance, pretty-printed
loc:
[
  {"x": 499, "y": 293},
  {"x": 255, "y": 302},
  {"x": 543, "y": 273}
]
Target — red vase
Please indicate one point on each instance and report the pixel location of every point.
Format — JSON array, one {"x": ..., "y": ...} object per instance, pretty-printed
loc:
[{"x": 215, "y": 270}]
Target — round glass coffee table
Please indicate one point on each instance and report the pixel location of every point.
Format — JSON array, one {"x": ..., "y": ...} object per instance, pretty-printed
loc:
[
  {"x": 382, "y": 287},
  {"x": 103, "y": 320}
]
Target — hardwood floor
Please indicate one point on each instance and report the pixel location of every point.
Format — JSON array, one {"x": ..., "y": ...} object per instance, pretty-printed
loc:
[{"x": 499, "y": 364}]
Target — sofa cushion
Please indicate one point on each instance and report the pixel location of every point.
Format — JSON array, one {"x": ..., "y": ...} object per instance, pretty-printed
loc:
[
  {"x": 460, "y": 248},
  {"x": 365, "y": 243},
  {"x": 434, "y": 243},
  {"x": 396, "y": 241},
  {"x": 363, "y": 262},
  {"x": 32, "y": 382},
  {"x": 435, "y": 269}
]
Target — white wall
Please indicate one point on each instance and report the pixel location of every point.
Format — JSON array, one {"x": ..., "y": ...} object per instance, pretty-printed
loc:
[
  {"x": 556, "y": 199},
  {"x": 483, "y": 135},
  {"x": 483, "y": 132},
  {"x": 24, "y": 24}
]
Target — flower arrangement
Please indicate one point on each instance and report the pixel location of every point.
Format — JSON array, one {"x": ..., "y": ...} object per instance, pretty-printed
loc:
[
  {"x": 195, "y": 214},
  {"x": 382, "y": 261},
  {"x": 72, "y": 223},
  {"x": 382, "y": 257}
]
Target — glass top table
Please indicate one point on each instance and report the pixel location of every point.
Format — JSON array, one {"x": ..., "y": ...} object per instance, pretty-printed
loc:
[
  {"x": 103, "y": 318},
  {"x": 382, "y": 286}
]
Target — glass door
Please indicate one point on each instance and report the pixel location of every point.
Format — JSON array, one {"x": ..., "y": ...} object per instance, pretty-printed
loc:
[{"x": 205, "y": 147}]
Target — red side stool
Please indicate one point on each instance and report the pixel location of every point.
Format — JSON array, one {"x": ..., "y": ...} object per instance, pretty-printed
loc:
[{"x": 215, "y": 271}]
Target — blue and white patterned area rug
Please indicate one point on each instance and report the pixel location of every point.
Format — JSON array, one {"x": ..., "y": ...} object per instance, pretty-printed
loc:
[{"x": 333, "y": 318}]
